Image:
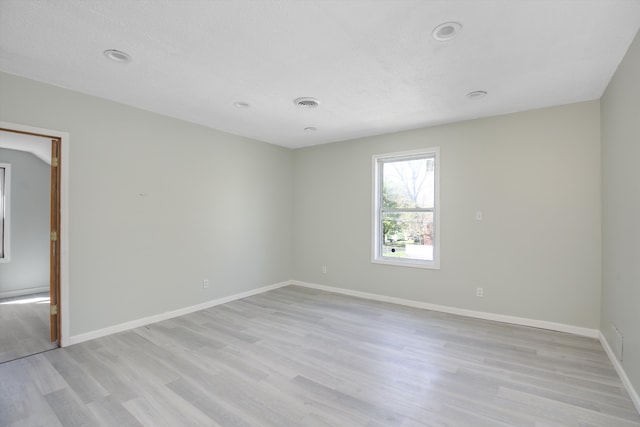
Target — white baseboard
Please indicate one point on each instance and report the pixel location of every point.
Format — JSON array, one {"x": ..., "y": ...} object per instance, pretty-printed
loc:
[
  {"x": 21, "y": 292},
  {"x": 542, "y": 324},
  {"x": 75, "y": 339},
  {"x": 635, "y": 398},
  {"x": 576, "y": 330}
]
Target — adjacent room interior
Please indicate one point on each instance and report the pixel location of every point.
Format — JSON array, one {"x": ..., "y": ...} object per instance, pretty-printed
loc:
[
  {"x": 231, "y": 254},
  {"x": 25, "y": 194}
]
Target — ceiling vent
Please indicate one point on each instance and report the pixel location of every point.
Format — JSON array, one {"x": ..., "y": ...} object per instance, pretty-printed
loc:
[
  {"x": 446, "y": 31},
  {"x": 117, "y": 56},
  {"x": 306, "y": 102},
  {"x": 477, "y": 94}
]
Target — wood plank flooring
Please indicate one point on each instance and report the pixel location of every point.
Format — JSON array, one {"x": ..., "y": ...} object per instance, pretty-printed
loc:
[
  {"x": 24, "y": 326},
  {"x": 301, "y": 357}
]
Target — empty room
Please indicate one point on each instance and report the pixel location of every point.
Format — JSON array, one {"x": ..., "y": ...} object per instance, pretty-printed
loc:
[{"x": 320, "y": 213}]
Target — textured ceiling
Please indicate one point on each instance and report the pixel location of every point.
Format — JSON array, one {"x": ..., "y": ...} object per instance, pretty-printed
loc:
[{"x": 373, "y": 65}]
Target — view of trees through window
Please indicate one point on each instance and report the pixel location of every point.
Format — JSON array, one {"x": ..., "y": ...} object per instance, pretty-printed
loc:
[{"x": 407, "y": 209}]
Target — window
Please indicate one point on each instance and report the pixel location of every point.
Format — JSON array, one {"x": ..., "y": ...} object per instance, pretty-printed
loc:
[
  {"x": 5, "y": 180},
  {"x": 406, "y": 193}
]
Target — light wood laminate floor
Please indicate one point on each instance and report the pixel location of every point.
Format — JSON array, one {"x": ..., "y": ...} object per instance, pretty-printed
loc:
[
  {"x": 301, "y": 357},
  {"x": 24, "y": 326}
]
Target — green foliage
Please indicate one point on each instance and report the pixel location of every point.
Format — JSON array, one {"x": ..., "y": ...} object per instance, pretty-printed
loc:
[{"x": 389, "y": 226}]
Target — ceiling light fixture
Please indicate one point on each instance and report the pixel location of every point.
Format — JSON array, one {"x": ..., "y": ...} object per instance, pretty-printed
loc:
[
  {"x": 306, "y": 102},
  {"x": 446, "y": 31},
  {"x": 477, "y": 94},
  {"x": 117, "y": 56},
  {"x": 241, "y": 104}
]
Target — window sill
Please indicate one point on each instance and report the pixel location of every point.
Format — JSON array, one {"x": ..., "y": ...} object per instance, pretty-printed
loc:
[{"x": 430, "y": 265}]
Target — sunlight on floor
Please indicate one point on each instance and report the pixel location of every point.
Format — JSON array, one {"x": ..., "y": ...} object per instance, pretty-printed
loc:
[{"x": 36, "y": 300}]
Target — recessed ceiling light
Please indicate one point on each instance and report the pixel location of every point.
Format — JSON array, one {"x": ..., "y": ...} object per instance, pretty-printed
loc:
[
  {"x": 306, "y": 102},
  {"x": 310, "y": 129},
  {"x": 241, "y": 104},
  {"x": 117, "y": 55},
  {"x": 477, "y": 94},
  {"x": 446, "y": 31}
]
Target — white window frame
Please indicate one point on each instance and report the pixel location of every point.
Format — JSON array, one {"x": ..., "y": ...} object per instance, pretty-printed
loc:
[
  {"x": 5, "y": 214},
  {"x": 377, "y": 227}
]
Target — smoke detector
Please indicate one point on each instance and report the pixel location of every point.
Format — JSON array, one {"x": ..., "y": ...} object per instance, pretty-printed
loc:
[{"x": 306, "y": 102}]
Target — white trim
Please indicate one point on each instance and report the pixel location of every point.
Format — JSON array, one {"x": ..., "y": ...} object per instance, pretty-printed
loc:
[
  {"x": 560, "y": 327},
  {"x": 21, "y": 292},
  {"x": 522, "y": 321},
  {"x": 75, "y": 339},
  {"x": 400, "y": 262},
  {"x": 64, "y": 220},
  {"x": 376, "y": 256},
  {"x": 633, "y": 394}
]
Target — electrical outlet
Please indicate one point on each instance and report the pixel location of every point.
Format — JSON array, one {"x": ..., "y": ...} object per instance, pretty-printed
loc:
[
  {"x": 480, "y": 292},
  {"x": 324, "y": 269},
  {"x": 205, "y": 283}
]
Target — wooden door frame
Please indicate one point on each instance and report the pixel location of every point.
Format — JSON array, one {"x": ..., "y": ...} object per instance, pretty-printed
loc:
[
  {"x": 54, "y": 242},
  {"x": 63, "y": 220}
]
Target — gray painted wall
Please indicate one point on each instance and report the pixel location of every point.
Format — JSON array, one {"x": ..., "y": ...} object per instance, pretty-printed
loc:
[
  {"x": 215, "y": 206},
  {"x": 29, "y": 264},
  {"x": 621, "y": 209},
  {"x": 229, "y": 209},
  {"x": 536, "y": 177}
]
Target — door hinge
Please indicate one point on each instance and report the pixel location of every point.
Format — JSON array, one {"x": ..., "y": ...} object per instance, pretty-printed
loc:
[
  {"x": 54, "y": 162},
  {"x": 53, "y": 310},
  {"x": 54, "y": 235}
]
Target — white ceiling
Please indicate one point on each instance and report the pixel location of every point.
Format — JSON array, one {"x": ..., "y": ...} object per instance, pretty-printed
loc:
[{"x": 373, "y": 64}]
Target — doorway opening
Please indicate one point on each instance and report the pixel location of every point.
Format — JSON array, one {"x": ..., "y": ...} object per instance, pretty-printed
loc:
[{"x": 30, "y": 263}]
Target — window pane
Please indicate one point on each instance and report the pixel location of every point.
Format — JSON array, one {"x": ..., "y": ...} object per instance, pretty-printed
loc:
[
  {"x": 408, "y": 183},
  {"x": 408, "y": 235}
]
